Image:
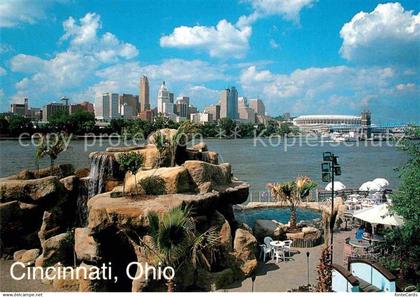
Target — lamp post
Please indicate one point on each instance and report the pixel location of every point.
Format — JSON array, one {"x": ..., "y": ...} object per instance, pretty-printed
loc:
[
  {"x": 330, "y": 168},
  {"x": 307, "y": 265},
  {"x": 253, "y": 277}
]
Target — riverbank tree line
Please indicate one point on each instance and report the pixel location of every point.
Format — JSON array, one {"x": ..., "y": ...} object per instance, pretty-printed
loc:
[{"x": 83, "y": 122}]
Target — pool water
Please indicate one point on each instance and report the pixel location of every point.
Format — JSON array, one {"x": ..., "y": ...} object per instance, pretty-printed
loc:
[{"x": 281, "y": 215}]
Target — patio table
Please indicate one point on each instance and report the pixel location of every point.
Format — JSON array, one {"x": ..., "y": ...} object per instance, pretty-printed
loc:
[
  {"x": 374, "y": 238},
  {"x": 277, "y": 246},
  {"x": 359, "y": 244}
]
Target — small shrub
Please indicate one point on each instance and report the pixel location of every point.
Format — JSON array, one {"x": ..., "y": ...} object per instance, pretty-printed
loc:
[{"x": 153, "y": 185}]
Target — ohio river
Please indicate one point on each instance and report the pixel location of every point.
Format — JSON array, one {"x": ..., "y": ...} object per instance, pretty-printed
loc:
[{"x": 257, "y": 162}]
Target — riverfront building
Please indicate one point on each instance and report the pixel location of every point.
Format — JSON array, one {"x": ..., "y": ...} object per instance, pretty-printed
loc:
[
  {"x": 229, "y": 103},
  {"x": 246, "y": 113},
  {"x": 257, "y": 105},
  {"x": 341, "y": 123},
  {"x": 107, "y": 106},
  {"x": 144, "y": 94},
  {"x": 214, "y": 110}
]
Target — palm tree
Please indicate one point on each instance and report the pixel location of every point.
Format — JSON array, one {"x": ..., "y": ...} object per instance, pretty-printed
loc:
[
  {"x": 50, "y": 146},
  {"x": 175, "y": 240},
  {"x": 291, "y": 194}
]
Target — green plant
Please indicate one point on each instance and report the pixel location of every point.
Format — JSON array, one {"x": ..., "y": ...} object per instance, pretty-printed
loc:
[
  {"x": 153, "y": 185},
  {"x": 291, "y": 194},
  {"x": 175, "y": 240},
  {"x": 50, "y": 145},
  {"x": 131, "y": 162},
  {"x": 324, "y": 271}
]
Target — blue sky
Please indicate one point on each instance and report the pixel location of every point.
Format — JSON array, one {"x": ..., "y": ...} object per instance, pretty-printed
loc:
[{"x": 299, "y": 56}]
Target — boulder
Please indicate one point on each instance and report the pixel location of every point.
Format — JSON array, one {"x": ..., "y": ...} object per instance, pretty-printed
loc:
[
  {"x": 29, "y": 257},
  {"x": 70, "y": 183},
  {"x": 271, "y": 228},
  {"x": 18, "y": 255},
  {"x": 50, "y": 226},
  {"x": 60, "y": 171},
  {"x": 33, "y": 190},
  {"x": 201, "y": 147},
  {"x": 90, "y": 285},
  {"x": 66, "y": 283},
  {"x": 176, "y": 179},
  {"x": 225, "y": 233},
  {"x": 58, "y": 248},
  {"x": 85, "y": 245},
  {"x": 210, "y": 157},
  {"x": 19, "y": 225},
  {"x": 244, "y": 246},
  {"x": 82, "y": 172},
  {"x": 132, "y": 213},
  {"x": 202, "y": 173},
  {"x": 167, "y": 133}
]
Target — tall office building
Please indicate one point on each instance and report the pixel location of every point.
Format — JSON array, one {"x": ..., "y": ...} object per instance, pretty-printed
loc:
[
  {"x": 164, "y": 104},
  {"x": 257, "y": 105},
  {"x": 20, "y": 109},
  {"x": 144, "y": 94},
  {"x": 51, "y": 109},
  {"x": 132, "y": 105},
  {"x": 181, "y": 107},
  {"x": 214, "y": 110},
  {"x": 107, "y": 106},
  {"x": 246, "y": 113},
  {"x": 229, "y": 103}
]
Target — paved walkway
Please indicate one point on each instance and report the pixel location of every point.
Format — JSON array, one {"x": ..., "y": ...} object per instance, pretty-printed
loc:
[{"x": 272, "y": 277}]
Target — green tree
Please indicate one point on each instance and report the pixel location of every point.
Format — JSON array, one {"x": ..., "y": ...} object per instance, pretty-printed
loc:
[
  {"x": 18, "y": 124},
  {"x": 404, "y": 242},
  {"x": 292, "y": 194},
  {"x": 176, "y": 241},
  {"x": 50, "y": 145},
  {"x": 131, "y": 162}
]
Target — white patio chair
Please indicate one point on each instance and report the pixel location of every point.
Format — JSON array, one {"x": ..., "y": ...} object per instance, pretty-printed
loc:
[
  {"x": 264, "y": 250},
  {"x": 287, "y": 246},
  {"x": 279, "y": 253}
]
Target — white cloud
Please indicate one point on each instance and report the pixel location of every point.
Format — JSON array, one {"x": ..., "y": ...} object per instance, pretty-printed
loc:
[
  {"x": 17, "y": 12},
  {"x": 339, "y": 89},
  {"x": 64, "y": 73},
  {"x": 223, "y": 40},
  {"x": 405, "y": 87},
  {"x": 2, "y": 71},
  {"x": 200, "y": 95},
  {"x": 274, "y": 44},
  {"x": 389, "y": 34},
  {"x": 287, "y": 9}
]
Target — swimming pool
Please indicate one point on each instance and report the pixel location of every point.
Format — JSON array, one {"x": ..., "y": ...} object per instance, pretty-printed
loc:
[{"x": 282, "y": 215}]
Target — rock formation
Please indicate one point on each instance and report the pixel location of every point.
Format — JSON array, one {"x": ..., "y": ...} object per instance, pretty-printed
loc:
[{"x": 87, "y": 220}]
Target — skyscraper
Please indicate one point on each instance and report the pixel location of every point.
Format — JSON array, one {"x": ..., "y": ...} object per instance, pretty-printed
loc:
[
  {"x": 257, "y": 105},
  {"x": 229, "y": 103},
  {"x": 164, "y": 104},
  {"x": 106, "y": 106},
  {"x": 144, "y": 94},
  {"x": 181, "y": 106}
]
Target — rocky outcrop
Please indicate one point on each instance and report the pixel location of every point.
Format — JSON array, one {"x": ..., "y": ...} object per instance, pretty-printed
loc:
[
  {"x": 244, "y": 247},
  {"x": 175, "y": 178},
  {"x": 58, "y": 248},
  {"x": 271, "y": 228},
  {"x": 59, "y": 171},
  {"x": 85, "y": 246},
  {"x": 206, "y": 177},
  {"x": 30, "y": 191}
]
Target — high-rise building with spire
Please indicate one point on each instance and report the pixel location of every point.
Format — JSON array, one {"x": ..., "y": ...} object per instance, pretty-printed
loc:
[{"x": 144, "y": 94}]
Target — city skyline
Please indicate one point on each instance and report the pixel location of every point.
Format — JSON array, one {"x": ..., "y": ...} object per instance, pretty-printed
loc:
[{"x": 274, "y": 52}]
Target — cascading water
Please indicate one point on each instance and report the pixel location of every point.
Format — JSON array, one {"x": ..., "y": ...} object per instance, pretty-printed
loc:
[{"x": 101, "y": 168}]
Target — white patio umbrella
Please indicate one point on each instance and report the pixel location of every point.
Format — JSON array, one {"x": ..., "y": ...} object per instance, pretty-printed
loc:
[
  {"x": 370, "y": 186},
  {"x": 381, "y": 181},
  {"x": 337, "y": 186},
  {"x": 378, "y": 214}
]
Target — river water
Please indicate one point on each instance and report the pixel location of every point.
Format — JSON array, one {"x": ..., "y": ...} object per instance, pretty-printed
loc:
[{"x": 256, "y": 162}]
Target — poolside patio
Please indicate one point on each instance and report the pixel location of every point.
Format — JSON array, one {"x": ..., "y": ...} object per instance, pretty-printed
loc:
[{"x": 291, "y": 274}]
